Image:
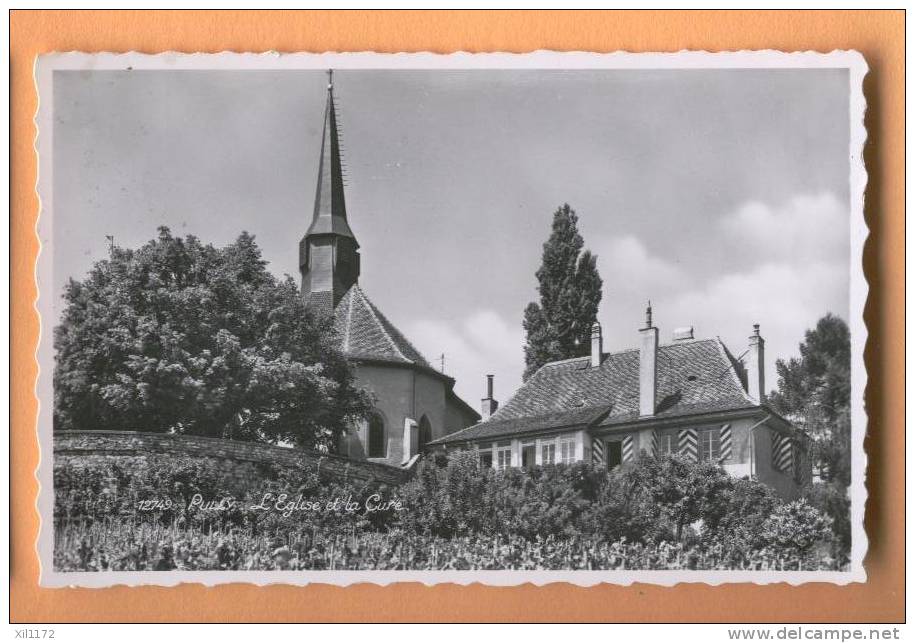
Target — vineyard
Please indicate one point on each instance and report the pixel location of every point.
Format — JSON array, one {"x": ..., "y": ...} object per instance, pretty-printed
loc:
[
  {"x": 122, "y": 546},
  {"x": 656, "y": 514}
]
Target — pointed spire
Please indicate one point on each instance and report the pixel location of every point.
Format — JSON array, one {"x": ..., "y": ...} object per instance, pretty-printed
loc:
[
  {"x": 330, "y": 203},
  {"x": 328, "y": 253}
]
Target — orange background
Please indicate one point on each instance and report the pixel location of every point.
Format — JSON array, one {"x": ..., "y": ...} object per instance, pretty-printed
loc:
[{"x": 878, "y": 35}]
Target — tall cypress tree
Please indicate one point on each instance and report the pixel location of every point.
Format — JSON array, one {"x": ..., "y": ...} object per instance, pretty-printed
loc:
[{"x": 559, "y": 327}]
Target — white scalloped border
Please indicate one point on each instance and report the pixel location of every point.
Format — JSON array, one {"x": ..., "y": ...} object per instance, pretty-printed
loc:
[{"x": 851, "y": 60}]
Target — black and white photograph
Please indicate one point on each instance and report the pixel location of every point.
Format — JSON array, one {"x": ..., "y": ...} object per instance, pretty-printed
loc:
[{"x": 472, "y": 318}]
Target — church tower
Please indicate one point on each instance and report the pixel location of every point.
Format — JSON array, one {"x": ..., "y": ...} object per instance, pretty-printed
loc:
[
  {"x": 329, "y": 252},
  {"x": 415, "y": 403}
]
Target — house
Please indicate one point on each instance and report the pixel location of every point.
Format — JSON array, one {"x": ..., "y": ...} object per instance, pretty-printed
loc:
[
  {"x": 690, "y": 396},
  {"x": 415, "y": 403}
]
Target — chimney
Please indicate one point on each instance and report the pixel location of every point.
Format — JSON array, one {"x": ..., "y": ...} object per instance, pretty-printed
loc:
[
  {"x": 756, "y": 369},
  {"x": 648, "y": 366},
  {"x": 683, "y": 333},
  {"x": 597, "y": 345},
  {"x": 489, "y": 405}
]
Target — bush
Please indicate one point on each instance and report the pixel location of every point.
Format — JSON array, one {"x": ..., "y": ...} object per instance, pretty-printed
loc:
[{"x": 795, "y": 527}]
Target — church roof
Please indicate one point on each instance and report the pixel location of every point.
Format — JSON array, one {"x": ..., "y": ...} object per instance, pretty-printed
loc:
[
  {"x": 365, "y": 333},
  {"x": 694, "y": 377}
]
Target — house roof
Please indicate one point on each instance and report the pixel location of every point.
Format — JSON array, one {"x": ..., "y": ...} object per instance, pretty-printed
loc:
[
  {"x": 694, "y": 377},
  {"x": 366, "y": 334}
]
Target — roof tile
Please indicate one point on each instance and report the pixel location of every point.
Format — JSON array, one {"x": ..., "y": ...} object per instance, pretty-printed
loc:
[{"x": 365, "y": 333}]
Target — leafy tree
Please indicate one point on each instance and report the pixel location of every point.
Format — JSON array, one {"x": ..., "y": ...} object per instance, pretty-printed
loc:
[
  {"x": 678, "y": 492},
  {"x": 814, "y": 392},
  {"x": 559, "y": 327},
  {"x": 181, "y": 336}
]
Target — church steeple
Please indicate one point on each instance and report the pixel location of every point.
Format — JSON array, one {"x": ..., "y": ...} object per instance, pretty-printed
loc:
[{"x": 329, "y": 252}]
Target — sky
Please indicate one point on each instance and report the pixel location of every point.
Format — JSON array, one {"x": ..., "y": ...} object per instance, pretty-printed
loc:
[{"x": 720, "y": 195}]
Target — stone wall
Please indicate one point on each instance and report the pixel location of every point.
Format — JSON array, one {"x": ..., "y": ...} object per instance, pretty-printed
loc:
[{"x": 244, "y": 462}]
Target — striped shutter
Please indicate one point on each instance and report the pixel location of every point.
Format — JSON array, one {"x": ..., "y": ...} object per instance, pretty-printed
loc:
[
  {"x": 725, "y": 442},
  {"x": 655, "y": 444},
  {"x": 627, "y": 448},
  {"x": 782, "y": 452},
  {"x": 688, "y": 444},
  {"x": 597, "y": 451}
]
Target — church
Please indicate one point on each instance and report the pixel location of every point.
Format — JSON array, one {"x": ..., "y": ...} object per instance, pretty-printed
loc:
[{"x": 415, "y": 403}]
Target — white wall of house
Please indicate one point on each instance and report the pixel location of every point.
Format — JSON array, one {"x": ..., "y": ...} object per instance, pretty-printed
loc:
[{"x": 751, "y": 450}]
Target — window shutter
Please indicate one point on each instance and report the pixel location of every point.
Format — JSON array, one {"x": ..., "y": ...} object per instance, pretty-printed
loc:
[
  {"x": 655, "y": 444},
  {"x": 627, "y": 448},
  {"x": 725, "y": 449},
  {"x": 782, "y": 452},
  {"x": 597, "y": 451},
  {"x": 688, "y": 444}
]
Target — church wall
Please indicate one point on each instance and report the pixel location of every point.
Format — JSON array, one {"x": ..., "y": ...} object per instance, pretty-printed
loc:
[
  {"x": 240, "y": 463},
  {"x": 457, "y": 417},
  {"x": 393, "y": 389},
  {"x": 402, "y": 394},
  {"x": 430, "y": 401}
]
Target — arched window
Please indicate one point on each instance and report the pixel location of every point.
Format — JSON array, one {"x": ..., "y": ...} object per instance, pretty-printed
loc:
[
  {"x": 376, "y": 438},
  {"x": 425, "y": 433}
]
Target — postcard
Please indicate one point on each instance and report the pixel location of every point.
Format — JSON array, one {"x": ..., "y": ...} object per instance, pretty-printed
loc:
[{"x": 467, "y": 318}]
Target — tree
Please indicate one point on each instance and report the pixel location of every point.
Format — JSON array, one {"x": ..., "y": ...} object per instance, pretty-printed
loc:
[
  {"x": 178, "y": 336},
  {"x": 814, "y": 392},
  {"x": 559, "y": 327},
  {"x": 831, "y": 499},
  {"x": 680, "y": 492}
]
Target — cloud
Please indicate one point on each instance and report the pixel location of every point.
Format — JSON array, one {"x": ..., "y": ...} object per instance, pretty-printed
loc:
[
  {"x": 804, "y": 228},
  {"x": 781, "y": 267},
  {"x": 785, "y": 299},
  {"x": 628, "y": 266},
  {"x": 481, "y": 343}
]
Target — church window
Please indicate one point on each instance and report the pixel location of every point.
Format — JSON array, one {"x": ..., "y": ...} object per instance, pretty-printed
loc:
[
  {"x": 567, "y": 450},
  {"x": 709, "y": 445},
  {"x": 377, "y": 447},
  {"x": 425, "y": 433}
]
